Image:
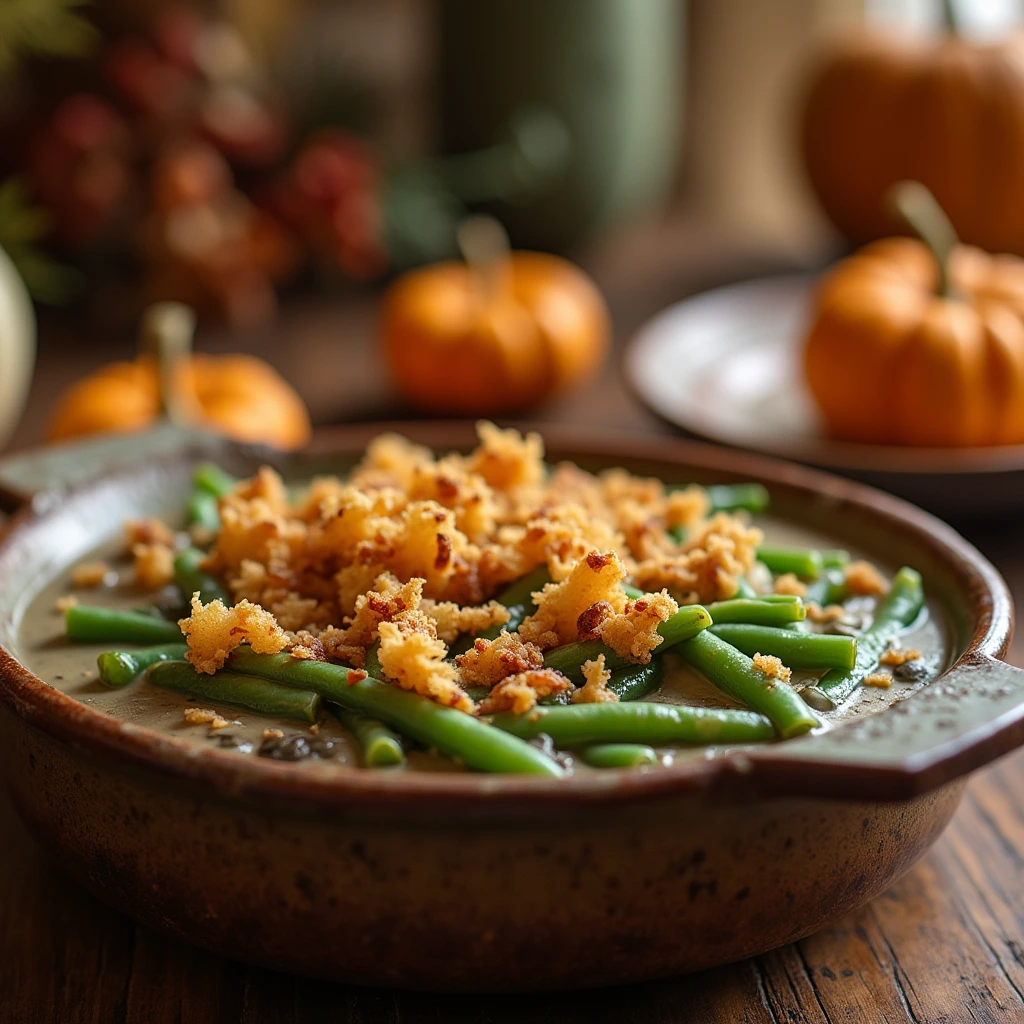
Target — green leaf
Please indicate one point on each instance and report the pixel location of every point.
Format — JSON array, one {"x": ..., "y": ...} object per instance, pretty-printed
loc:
[
  {"x": 45, "y": 27},
  {"x": 22, "y": 225},
  {"x": 47, "y": 281}
]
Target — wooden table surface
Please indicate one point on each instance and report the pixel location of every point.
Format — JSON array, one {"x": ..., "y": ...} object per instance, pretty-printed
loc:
[{"x": 944, "y": 944}]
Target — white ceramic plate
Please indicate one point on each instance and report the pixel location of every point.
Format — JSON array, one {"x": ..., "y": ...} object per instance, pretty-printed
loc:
[{"x": 725, "y": 365}]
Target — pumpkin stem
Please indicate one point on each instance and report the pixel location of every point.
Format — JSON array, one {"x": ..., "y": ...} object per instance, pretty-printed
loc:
[
  {"x": 166, "y": 333},
  {"x": 950, "y": 17},
  {"x": 484, "y": 244},
  {"x": 916, "y": 205}
]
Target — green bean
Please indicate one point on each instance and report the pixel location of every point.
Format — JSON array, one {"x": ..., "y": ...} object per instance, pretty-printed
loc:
[
  {"x": 629, "y": 683},
  {"x": 119, "y": 668},
  {"x": 372, "y": 666},
  {"x": 569, "y": 658},
  {"x": 191, "y": 578},
  {"x": 636, "y": 722},
  {"x": 93, "y": 624},
  {"x": 797, "y": 650},
  {"x": 202, "y": 510},
  {"x": 618, "y": 755},
  {"x": 739, "y": 605},
  {"x": 451, "y": 732},
  {"x": 636, "y": 681},
  {"x": 729, "y": 497},
  {"x": 211, "y": 478},
  {"x": 157, "y": 611},
  {"x": 563, "y": 697},
  {"x": 898, "y": 610},
  {"x": 829, "y": 588},
  {"x": 761, "y": 612},
  {"x": 380, "y": 746},
  {"x": 734, "y": 673},
  {"x": 805, "y": 562},
  {"x": 246, "y": 691},
  {"x": 745, "y": 589},
  {"x": 518, "y": 599},
  {"x": 835, "y": 559}
]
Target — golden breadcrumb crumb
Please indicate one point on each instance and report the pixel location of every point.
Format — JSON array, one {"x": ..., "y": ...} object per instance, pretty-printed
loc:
[
  {"x": 489, "y": 661},
  {"x": 879, "y": 680},
  {"x": 466, "y": 526},
  {"x": 266, "y": 486},
  {"x": 66, "y": 601},
  {"x": 204, "y": 716},
  {"x": 201, "y": 536},
  {"x": 412, "y": 656},
  {"x": 708, "y": 566},
  {"x": 595, "y": 687},
  {"x": 687, "y": 507},
  {"x": 334, "y": 646},
  {"x": 519, "y": 693},
  {"x": 89, "y": 575},
  {"x": 830, "y": 613},
  {"x": 899, "y": 656},
  {"x": 391, "y": 461},
  {"x": 214, "y": 631},
  {"x": 147, "y": 531},
  {"x": 863, "y": 579},
  {"x": 388, "y": 599},
  {"x": 634, "y": 633},
  {"x": 273, "y": 734},
  {"x": 307, "y": 647},
  {"x": 506, "y": 460},
  {"x": 315, "y": 728},
  {"x": 154, "y": 565},
  {"x": 596, "y": 580},
  {"x": 789, "y": 583},
  {"x": 772, "y": 667},
  {"x": 450, "y": 619},
  {"x": 411, "y": 549}
]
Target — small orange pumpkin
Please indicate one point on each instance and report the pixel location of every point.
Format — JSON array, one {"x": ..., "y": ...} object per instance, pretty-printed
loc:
[
  {"x": 238, "y": 395},
  {"x": 496, "y": 334},
  {"x": 920, "y": 344}
]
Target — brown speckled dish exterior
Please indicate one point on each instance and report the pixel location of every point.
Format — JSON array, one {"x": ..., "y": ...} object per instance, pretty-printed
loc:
[{"x": 498, "y": 882}]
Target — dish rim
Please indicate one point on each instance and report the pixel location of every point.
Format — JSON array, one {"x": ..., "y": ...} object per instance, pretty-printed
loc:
[{"x": 769, "y": 771}]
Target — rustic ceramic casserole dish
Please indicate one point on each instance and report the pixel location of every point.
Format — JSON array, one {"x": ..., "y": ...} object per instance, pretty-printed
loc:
[{"x": 459, "y": 881}]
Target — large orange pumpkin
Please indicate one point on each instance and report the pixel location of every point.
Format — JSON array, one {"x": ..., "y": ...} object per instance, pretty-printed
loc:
[
  {"x": 908, "y": 349},
  {"x": 942, "y": 110},
  {"x": 493, "y": 335}
]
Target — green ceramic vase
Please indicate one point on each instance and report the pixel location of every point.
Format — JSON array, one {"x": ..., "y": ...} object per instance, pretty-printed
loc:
[{"x": 610, "y": 71}]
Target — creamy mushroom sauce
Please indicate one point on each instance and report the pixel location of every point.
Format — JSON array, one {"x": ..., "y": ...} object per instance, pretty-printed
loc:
[{"x": 71, "y": 667}]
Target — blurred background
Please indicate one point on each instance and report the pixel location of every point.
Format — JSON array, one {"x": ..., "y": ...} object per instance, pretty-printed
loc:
[{"x": 281, "y": 166}]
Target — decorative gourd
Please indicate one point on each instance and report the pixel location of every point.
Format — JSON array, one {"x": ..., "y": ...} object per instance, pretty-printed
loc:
[
  {"x": 495, "y": 334},
  {"x": 944, "y": 111},
  {"x": 17, "y": 345},
  {"x": 920, "y": 343},
  {"x": 238, "y": 395}
]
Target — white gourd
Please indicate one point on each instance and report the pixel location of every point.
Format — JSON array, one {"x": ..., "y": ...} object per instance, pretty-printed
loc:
[{"x": 17, "y": 346}]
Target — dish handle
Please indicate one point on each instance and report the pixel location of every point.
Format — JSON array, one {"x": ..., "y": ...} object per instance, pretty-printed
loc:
[
  {"x": 26, "y": 473},
  {"x": 966, "y": 718}
]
